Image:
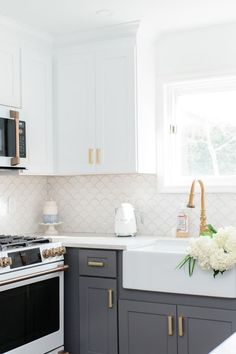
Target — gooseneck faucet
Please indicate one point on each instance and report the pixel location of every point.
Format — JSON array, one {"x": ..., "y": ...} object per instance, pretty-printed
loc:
[{"x": 203, "y": 226}]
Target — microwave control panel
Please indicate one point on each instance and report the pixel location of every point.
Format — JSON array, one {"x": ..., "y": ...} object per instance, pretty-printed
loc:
[{"x": 22, "y": 139}]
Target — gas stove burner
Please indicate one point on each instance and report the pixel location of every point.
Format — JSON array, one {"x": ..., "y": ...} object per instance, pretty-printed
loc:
[{"x": 14, "y": 241}]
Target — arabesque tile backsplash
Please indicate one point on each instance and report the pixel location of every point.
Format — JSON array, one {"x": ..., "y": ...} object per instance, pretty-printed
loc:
[{"x": 87, "y": 203}]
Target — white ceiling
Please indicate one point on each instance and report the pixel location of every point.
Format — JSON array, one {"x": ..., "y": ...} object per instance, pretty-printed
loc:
[{"x": 60, "y": 17}]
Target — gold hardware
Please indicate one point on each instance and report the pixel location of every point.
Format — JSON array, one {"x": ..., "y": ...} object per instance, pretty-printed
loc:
[
  {"x": 5, "y": 262},
  {"x": 180, "y": 326},
  {"x": 34, "y": 275},
  {"x": 98, "y": 156},
  {"x": 96, "y": 264},
  {"x": 90, "y": 156},
  {"x": 63, "y": 352},
  {"x": 110, "y": 298},
  {"x": 170, "y": 325},
  {"x": 16, "y": 159},
  {"x": 46, "y": 253},
  {"x": 190, "y": 204},
  {"x": 62, "y": 250}
]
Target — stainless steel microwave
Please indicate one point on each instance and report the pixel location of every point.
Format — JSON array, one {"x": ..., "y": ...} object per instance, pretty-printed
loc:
[{"x": 12, "y": 142}]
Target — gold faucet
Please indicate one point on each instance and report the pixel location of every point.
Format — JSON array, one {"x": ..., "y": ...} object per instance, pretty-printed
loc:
[{"x": 203, "y": 226}]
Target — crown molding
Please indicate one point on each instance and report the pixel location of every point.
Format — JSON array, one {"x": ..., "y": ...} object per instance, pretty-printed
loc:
[
  {"x": 25, "y": 29},
  {"x": 128, "y": 29}
]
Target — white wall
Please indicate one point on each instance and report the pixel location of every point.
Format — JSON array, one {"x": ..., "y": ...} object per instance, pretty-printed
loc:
[{"x": 201, "y": 51}]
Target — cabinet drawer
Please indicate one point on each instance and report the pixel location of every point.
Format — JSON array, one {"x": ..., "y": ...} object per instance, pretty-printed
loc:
[{"x": 97, "y": 263}]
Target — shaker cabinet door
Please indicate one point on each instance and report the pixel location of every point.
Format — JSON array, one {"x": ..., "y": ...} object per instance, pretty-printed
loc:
[
  {"x": 203, "y": 328},
  {"x": 147, "y": 328},
  {"x": 75, "y": 115},
  {"x": 98, "y": 316},
  {"x": 115, "y": 110},
  {"x": 10, "y": 90},
  {"x": 37, "y": 111}
]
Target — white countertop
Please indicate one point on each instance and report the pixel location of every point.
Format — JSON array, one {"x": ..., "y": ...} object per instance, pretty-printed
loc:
[
  {"x": 103, "y": 241},
  {"x": 227, "y": 347}
]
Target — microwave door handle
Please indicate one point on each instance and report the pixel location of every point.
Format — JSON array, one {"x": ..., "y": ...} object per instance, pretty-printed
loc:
[
  {"x": 16, "y": 159},
  {"x": 60, "y": 268}
]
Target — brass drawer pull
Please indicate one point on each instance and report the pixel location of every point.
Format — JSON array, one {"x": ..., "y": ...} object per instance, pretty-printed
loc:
[
  {"x": 90, "y": 156},
  {"x": 96, "y": 264},
  {"x": 181, "y": 326},
  {"x": 170, "y": 325},
  {"x": 98, "y": 156},
  {"x": 110, "y": 298}
]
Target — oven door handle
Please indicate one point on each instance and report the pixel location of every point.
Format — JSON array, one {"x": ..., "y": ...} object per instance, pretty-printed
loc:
[{"x": 34, "y": 275}]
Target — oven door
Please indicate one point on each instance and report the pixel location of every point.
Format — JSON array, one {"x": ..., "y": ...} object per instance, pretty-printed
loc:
[
  {"x": 32, "y": 314},
  {"x": 8, "y": 143}
]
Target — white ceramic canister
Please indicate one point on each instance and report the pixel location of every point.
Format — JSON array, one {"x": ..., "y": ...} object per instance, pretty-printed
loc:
[{"x": 50, "y": 212}]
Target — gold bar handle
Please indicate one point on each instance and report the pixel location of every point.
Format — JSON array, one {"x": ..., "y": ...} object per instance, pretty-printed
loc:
[
  {"x": 90, "y": 156},
  {"x": 170, "y": 325},
  {"x": 95, "y": 264},
  {"x": 60, "y": 268},
  {"x": 16, "y": 159},
  {"x": 110, "y": 298},
  {"x": 181, "y": 326},
  {"x": 98, "y": 156}
]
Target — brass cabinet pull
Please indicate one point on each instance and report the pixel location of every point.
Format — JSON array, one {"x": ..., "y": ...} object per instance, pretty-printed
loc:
[
  {"x": 98, "y": 156},
  {"x": 110, "y": 298},
  {"x": 90, "y": 156},
  {"x": 16, "y": 159},
  {"x": 181, "y": 326},
  {"x": 170, "y": 325},
  {"x": 95, "y": 264}
]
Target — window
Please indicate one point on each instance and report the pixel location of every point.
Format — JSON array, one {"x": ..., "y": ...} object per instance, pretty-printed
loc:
[{"x": 200, "y": 132}]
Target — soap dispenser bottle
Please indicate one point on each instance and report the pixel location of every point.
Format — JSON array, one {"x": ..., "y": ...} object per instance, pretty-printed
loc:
[{"x": 182, "y": 229}]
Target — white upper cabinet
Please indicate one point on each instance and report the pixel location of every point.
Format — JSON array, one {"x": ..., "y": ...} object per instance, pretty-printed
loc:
[
  {"x": 37, "y": 111},
  {"x": 75, "y": 114},
  {"x": 100, "y": 127},
  {"x": 10, "y": 92},
  {"x": 115, "y": 111}
]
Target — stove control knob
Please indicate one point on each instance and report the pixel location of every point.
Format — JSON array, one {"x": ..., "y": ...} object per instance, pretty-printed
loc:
[
  {"x": 46, "y": 253},
  {"x": 5, "y": 262},
  {"x": 62, "y": 250},
  {"x": 53, "y": 252}
]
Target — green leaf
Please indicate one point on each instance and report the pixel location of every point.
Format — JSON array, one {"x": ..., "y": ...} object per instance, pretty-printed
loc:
[
  {"x": 183, "y": 262},
  {"x": 211, "y": 228},
  {"x": 192, "y": 266},
  {"x": 210, "y": 231}
]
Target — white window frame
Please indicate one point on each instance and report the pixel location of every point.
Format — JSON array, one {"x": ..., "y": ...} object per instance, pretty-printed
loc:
[{"x": 167, "y": 90}]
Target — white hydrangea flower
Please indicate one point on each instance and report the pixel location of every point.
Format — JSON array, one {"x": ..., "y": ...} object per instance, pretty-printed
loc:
[
  {"x": 221, "y": 261},
  {"x": 217, "y": 253}
]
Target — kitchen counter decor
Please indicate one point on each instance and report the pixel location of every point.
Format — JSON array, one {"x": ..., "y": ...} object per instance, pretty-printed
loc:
[{"x": 216, "y": 252}]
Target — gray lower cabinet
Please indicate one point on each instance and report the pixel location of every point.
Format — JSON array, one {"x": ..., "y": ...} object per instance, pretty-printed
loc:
[
  {"x": 147, "y": 328},
  {"x": 98, "y": 316},
  {"x": 203, "y": 328},
  {"x": 150, "y": 328}
]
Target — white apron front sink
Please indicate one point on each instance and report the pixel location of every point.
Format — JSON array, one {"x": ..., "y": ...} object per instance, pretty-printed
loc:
[{"x": 153, "y": 268}]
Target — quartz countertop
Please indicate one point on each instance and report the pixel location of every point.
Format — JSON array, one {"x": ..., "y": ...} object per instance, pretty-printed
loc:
[
  {"x": 227, "y": 347},
  {"x": 103, "y": 241}
]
